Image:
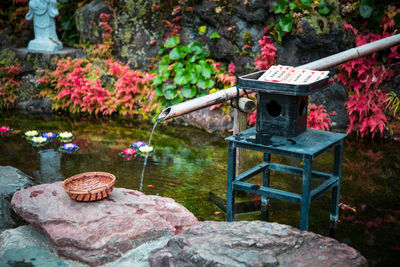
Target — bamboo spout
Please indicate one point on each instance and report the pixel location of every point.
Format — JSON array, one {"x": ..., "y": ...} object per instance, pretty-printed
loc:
[
  {"x": 198, "y": 103},
  {"x": 321, "y": 64}
]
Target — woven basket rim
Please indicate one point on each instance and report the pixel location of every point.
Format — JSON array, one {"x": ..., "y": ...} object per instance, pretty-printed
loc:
[{"x": 93, "y": 190}]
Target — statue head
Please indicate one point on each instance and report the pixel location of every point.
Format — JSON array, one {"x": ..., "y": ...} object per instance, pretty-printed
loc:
[{"x": 40, "y": 7}]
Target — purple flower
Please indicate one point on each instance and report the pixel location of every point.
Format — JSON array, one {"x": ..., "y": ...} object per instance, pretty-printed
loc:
[
  {"x": 69, "y": 147},
  {"x": 138, "y": 144},
  {"x": 49, "y": 134}
]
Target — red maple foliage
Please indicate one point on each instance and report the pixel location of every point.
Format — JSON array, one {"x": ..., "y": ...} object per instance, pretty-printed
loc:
[
  {"x": 8, "y": 85},
  {"x": 267, "y": 55},
  {"x": 364, "y": 77},
  {"x": 318, "y": 118}
]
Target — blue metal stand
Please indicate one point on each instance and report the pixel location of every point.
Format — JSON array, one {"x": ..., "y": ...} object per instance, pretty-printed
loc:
[{"x": 305, "y": 146}]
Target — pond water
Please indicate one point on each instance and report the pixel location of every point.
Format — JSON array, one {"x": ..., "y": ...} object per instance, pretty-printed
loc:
[{"x": 188, "y": 165}]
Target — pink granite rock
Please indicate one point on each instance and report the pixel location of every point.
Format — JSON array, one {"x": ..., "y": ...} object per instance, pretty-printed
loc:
[{"x": 101, "y": 231}]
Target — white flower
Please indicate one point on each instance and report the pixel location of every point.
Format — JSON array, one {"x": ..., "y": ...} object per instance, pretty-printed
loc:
[
  {"x": 31, "y": 133},
  {"x": 65, "y": 135},
  {"x": 146, "y": 149},
  {"x": 39, "y": 139}
]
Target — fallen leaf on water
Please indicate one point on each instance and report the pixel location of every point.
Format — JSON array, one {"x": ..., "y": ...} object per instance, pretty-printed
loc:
[{"x": 150, "y": 185}]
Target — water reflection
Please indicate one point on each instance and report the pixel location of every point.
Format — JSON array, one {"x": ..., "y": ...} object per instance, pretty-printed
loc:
[
  {"x": 50, "y": 167},
  {"x": 189, "y": 163}
]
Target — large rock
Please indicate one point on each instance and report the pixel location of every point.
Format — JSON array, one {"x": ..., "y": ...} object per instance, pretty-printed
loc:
[
  {"x": 88, "y": 19},
  {"x": 211, "y": 120},
  {"x": 101, "y": 231},
  {"x": 253, "y": 244},
  {"x": 11, "y": 180},
  {"x": 28, "y": 236}
]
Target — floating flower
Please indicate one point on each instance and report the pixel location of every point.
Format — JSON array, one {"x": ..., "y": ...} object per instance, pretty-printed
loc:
[
  {"x": 146, "y": 149},
  {"x": 5, "y": 130},
  {"x": 137, "y": 144},
  {"x": 39, "y": 140},
  {"x": 31, "y": 134},
  {"x": 49, "y": 135},
  {"x": 68, "y": 148},
  {"x": 65, "y": 136},
  {"x": 128, "y": 153}
]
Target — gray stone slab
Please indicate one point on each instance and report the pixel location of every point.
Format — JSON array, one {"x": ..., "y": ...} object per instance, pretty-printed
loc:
[{"x": 253, "y": 243}]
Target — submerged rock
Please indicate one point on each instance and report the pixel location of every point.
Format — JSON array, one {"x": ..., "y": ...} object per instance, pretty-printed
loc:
[
  {"x": 30, "y": 256},
  {"x": 21, "y": 237},
  {"x": 253, "y": 244},
  {"x": 101, "y": 231},
  {"x": 11, "y": 180}
]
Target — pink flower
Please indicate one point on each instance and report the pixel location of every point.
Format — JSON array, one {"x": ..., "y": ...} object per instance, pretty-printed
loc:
[
  {"x": 5, "y": 129},
  {"x": 129, "y": 151},
  {"x": 246, "y": 47}
]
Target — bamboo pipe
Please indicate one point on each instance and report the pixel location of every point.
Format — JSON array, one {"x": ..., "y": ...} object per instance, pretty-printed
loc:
[{"x": 321, "y": 64}]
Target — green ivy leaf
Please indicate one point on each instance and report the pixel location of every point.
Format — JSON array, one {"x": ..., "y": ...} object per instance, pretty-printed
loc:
[
  {"x": 170, "y": 86},
  {"x": 195, "y": 48},
  {"x": 169, "y": 94},
  {"x": 177, "y": 100},
  {"x": 205, "y": 84},
  {"x": 202, "y": 30},
  {"x": 174, "y": 54},
  {"x": 193, "y": 58},
  {"x": 201, "y": 83},
  {"x": 159, "y": 91},
  {"x": 202, "y": 92},
  {"x": 210, "y": 84},
  {"x": 157, "y": 80},
  {"x": 178, "y": 52},
  {"x": 178, "y": 66},
  {"x": 292, "y": 5},
  {"x": 194, "y": 76},
  {"x": 206, "y": 72},
  {"x": 323, "y": 8},
  {"x": 307, "y": 3},
  {"x": 165, "y": 75},
  {"x": 182, "y": 77},
  {"x": 188, "y": 91},
  {"x": 172, "y": 41},
  {"x": 164, "y": 60},
  {"x": 215, "y": 35},
  {"x": 280, "y": 7},
  {"x": 286, "y": 23}
]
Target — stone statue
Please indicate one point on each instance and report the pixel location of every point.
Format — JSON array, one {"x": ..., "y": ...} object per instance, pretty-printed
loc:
[{"x": 43, "y": 13}]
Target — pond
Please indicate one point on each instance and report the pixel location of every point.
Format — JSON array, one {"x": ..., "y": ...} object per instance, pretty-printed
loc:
[{"x": 188, "y": 165}]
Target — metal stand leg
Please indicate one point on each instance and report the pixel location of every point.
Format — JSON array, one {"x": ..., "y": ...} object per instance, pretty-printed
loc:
[
  {"x": 337, "y": 170},
  {"x": 230, "y": 193},
  {"x": 265, "y": 182},
  {"x": 305, "y": 195}
]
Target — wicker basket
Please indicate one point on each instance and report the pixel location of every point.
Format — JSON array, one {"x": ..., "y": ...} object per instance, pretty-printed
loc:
[{"x": 89, "y": 186}]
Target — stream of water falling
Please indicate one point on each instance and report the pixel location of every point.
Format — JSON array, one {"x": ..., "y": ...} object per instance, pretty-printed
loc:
[{"x": 147, "y": 155}]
